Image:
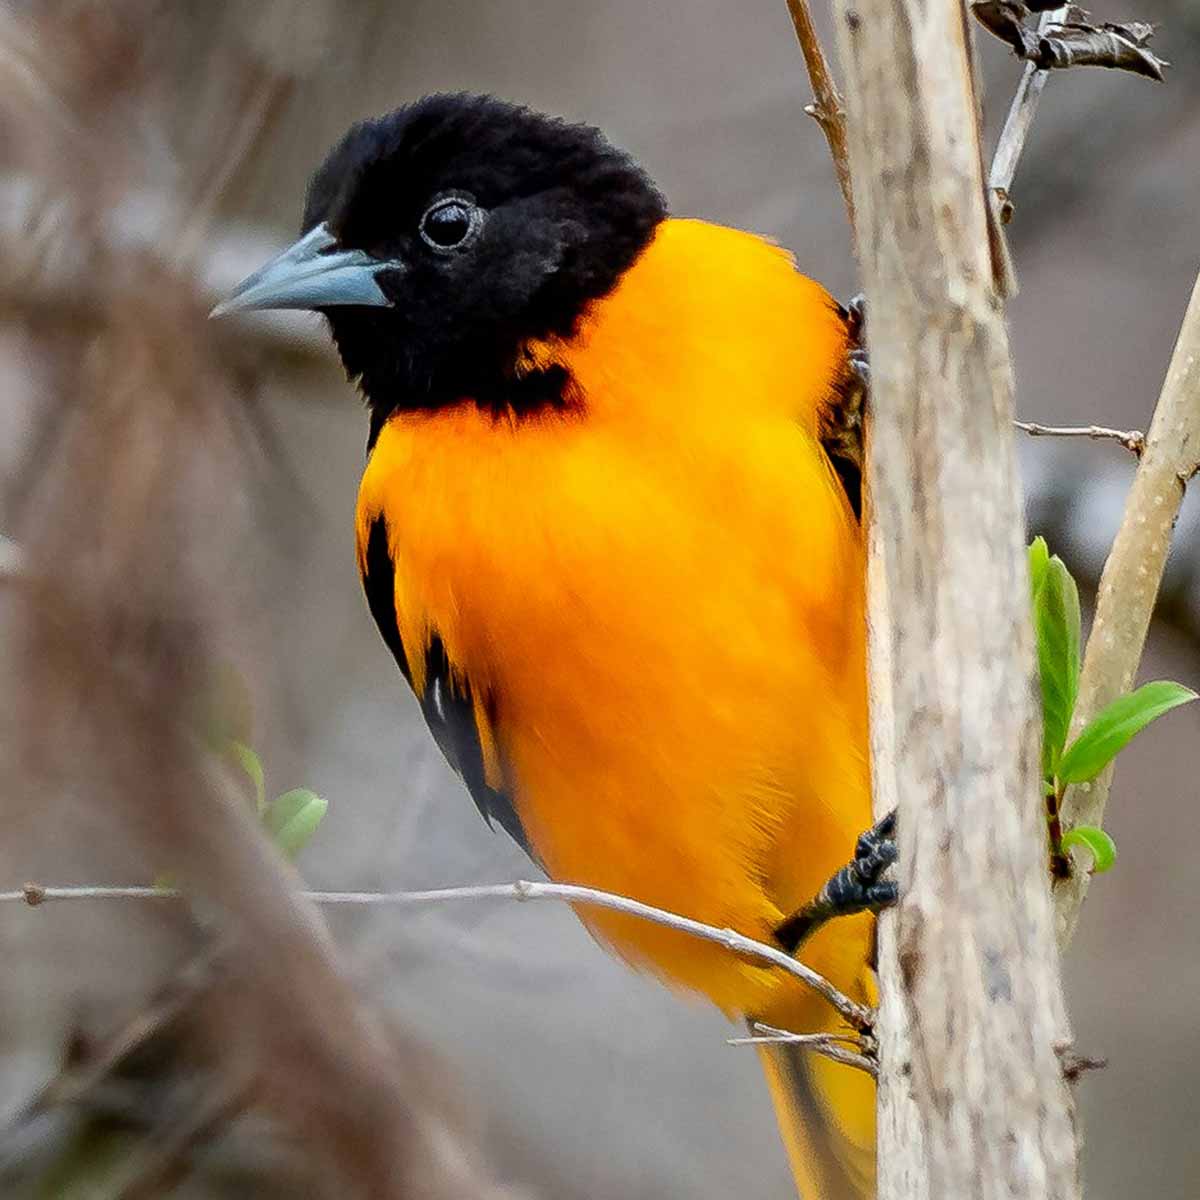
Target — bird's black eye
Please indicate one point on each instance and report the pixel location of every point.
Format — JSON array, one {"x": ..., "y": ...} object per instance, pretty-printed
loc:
[{"x": 450, "y": 223}]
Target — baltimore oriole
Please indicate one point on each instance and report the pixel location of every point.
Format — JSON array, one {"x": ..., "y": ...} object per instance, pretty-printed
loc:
[{"x": 601, "y": 536}]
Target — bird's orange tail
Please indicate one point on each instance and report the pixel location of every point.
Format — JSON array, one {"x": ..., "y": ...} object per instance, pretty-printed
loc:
[{"x": 826, "y": 1115}]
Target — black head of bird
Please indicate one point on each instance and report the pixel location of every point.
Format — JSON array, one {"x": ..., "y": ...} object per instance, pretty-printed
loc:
[{"x": 442, "y": 237}]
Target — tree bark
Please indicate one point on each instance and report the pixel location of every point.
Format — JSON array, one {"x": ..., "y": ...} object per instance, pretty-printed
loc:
[{"x": 973, "y": 1098}]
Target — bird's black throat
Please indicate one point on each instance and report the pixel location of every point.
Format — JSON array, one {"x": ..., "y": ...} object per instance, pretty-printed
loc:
[{"x": 559, "y": 216}]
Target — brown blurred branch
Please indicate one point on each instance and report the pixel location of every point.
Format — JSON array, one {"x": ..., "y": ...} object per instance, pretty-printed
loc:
[
  {"x": 157, "y": 1166},
  {"x": 10, "y": 559},
  {"x": 265, "y": 91},
  {"x": 1132, "y": 575},
  {"x": 132, "y": 587},
  {"x": 74, "y": 1083},
  {"x": 61, "y": 285},
  {"x": 827, "y": 108},
  {"x": 973, "y": 1103},
  {"x": 859, "y": 1017}
]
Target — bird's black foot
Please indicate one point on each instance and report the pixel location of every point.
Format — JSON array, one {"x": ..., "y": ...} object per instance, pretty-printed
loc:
[{"x": 858, "y": 887}]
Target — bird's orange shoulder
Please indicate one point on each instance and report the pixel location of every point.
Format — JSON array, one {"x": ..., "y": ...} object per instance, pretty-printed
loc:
[{"x": 709, "y": 324}]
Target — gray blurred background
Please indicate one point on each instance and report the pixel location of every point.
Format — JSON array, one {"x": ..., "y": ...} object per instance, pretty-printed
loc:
[{"x": 589, "y": 1080}]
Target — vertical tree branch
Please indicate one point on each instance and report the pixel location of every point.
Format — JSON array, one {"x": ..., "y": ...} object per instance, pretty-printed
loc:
[
  {"x": 1132, "y": 574},
  {"x": 1019, "y": 121},
  {"x": 973, "y": 1015},
  {"x": 826, "y": 109}
]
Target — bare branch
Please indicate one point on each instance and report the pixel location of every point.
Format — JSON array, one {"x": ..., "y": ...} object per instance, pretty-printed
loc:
[
  {"x": 1132, "y": 575},
  {"x": 828, "y": 1045},
  {"x": 1075, "y": 1065},
  {"x": 1132, "y": 439},
  {"x": 1018, "y": 123},
  {"x": 857, "y": 1015},
  {"x": 827, "y": 108}
]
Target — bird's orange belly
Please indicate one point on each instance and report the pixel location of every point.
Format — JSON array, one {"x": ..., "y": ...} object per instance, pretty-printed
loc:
[{"x": 732, "y": 811}]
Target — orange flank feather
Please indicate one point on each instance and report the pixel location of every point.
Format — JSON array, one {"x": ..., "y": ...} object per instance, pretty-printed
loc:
[{"x": 655, "y": 602}]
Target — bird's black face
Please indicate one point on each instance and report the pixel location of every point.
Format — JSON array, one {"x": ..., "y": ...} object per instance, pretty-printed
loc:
[{"x": 442, "y": 237}]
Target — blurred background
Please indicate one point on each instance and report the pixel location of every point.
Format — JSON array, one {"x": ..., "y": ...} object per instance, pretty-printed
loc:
[{"x": 176, "y": 496}]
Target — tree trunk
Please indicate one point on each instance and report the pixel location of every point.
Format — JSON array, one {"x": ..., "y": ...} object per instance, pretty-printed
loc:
[{"x": 973, "y": 1098}]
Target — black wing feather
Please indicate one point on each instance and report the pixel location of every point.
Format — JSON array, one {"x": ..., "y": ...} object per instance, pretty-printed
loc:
[{"x": 447, "y": 703}]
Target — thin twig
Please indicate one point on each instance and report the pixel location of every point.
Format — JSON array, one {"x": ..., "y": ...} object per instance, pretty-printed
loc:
[
  {"x": 827, "y": 108},
  {"x": 857, "y": 1015},
  {"x": 827, "y": 1044},
  {"x": 1018, "y": 123},
  {"x": 1130, "y": 581},
  {"x": 1132, "y": 439},
  {"x": 1075, "y": 1065}
]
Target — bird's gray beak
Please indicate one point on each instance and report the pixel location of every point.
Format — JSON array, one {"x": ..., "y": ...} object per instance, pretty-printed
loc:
[{"x": 307, "y": 275}]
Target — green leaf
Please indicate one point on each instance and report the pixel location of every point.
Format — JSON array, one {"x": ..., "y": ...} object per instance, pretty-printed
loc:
[
  {"x": 1039, "y": 556},
  {"x": 245, "y": 758},
  {"x": 1097, "y": 843},
  {"x": 1056, "y": 622},
  {"x": 1111, "y": 730},
  {"x": 291, "y": 819}
]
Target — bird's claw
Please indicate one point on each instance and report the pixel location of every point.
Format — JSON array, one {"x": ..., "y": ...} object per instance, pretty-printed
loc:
[
  {"x": 856, "y": 317},
  {"x": 860, "y": 367},
  {"x": 857, "y": 887}
]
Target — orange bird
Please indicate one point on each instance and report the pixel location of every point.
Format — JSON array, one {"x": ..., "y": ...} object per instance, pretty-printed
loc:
[{"x": 601, "y": 533}]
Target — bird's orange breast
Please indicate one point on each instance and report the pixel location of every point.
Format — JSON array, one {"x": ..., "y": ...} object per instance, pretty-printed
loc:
[{"x": 660, "y": 592}]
